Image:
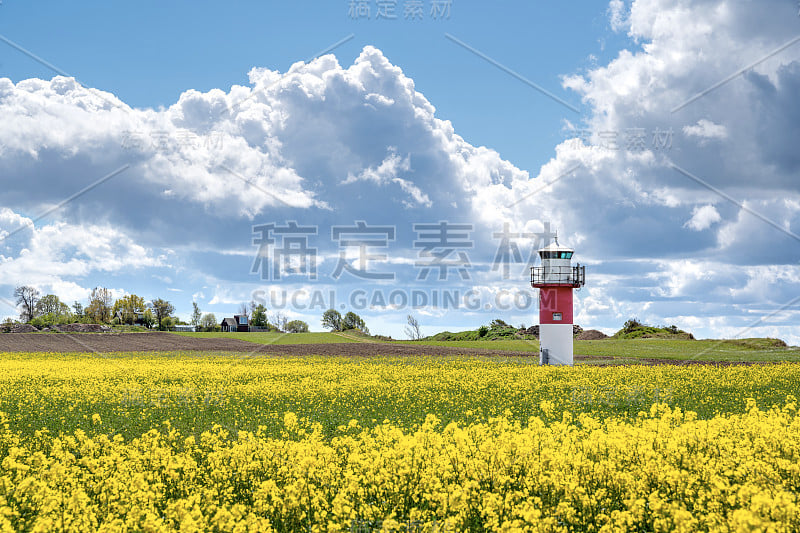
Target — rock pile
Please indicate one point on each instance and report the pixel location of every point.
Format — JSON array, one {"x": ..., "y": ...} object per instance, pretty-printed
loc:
[
  {"x": 534, "y": 331},
  {"x": 591, "y": 335},
  {"x": 22, "y": 328},
  {"x": 81, "y": 328},
  {"x": 61, "y": 328}
]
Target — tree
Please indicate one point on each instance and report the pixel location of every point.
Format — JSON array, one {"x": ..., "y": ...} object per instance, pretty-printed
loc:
[
  {"x": 353, "y": 321},
  {"x": 128, "y": 307},
  {"x": 332, "y": 320},
  {"x": 50, "y": 304},
  {"x": 413, "y": 329},
  {"x": 163, "y": 309},
  {"x": 49, "y": 311},
  {"x": 243, "y": 310},
  {"x": 148, "y": 319},
  {"x": 27, "y": 297},
  {"x": 196, "y": 314},
  {"x": 498, "y": 323},
  {"x": 279, "y": 321},
  {"x": 168, "y": 323},
  {"x": 296, "y": 326},
  {"x": 78, "y": 308},
  {"x": 100, "y": 305},
  {"x": 208, "y": 321},
  {"x": 259, "y": 318}
]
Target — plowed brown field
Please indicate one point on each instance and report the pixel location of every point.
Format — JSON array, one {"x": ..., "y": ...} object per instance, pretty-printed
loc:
[{"x": 167, "y": 342}]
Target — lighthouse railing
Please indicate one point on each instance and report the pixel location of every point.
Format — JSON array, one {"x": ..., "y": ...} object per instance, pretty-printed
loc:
[{"x": 574, "y": 276}]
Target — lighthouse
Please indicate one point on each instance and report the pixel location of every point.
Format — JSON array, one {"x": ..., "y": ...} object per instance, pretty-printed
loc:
[{"x": 555, "y": 279}]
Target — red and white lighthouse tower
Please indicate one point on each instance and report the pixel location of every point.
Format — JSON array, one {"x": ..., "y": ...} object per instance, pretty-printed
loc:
[{"x": 555, "y": 280}]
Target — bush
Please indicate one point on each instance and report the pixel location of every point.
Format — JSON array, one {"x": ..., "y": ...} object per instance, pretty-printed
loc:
[
  {"x": 631, "y": 324},
  {"x": 482, "y": 331},
  {"x": 296, "y": 326},
  {"x": 50, "y": 319}
]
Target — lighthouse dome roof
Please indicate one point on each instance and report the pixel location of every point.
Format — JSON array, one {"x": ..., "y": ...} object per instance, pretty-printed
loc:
[{"x": 555, "y": 247}]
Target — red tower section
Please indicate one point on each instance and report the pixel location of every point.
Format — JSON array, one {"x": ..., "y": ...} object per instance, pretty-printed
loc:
[{"x": 555, "y": 305}]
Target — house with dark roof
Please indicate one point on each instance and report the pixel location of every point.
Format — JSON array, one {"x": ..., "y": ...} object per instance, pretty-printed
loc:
[
  {"x": 138, "y": 316},
  {"x": 237, "y": 323}
]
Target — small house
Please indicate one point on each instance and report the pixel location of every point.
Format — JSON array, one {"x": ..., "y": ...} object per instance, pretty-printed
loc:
[
  {"x": 138, "y": 317},
  {"x": 237, "y": 323}
]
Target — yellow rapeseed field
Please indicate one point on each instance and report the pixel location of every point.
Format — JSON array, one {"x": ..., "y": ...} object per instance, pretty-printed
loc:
[{"x": 175, "y": 442}]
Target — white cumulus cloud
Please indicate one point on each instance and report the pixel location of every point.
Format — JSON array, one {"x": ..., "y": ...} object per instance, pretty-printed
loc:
[{"x": 703, "y": 217}]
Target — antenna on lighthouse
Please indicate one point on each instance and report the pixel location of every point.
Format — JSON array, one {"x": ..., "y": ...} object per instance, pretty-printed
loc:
[{"x": 555, "y": 279}]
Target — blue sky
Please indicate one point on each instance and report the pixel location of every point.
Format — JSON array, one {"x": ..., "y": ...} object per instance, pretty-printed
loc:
[
  {"x": 149, "y": 53},
  {"x": 684, "y": 209}
]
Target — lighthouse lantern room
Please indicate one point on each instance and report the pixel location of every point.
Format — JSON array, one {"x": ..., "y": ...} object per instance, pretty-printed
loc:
[{"x": 555, "y": 279}]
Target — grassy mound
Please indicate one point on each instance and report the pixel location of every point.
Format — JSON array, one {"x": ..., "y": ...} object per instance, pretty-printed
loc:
[
  {"x": 497, "y": 330},
  {"x": 364, "y": 335},
  {"x": 651, "y": 332},
  {"x": 755, "y": 343},
  {"x": 633, "y": 329},
  {"x": 475, "y": 335}
]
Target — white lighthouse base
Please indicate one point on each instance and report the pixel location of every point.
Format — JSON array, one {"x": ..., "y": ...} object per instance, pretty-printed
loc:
[{"x": 555, "y": 344}]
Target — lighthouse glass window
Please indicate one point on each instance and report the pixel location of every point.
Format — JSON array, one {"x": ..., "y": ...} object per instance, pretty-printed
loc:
[{"x": 556, "y": 316}]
